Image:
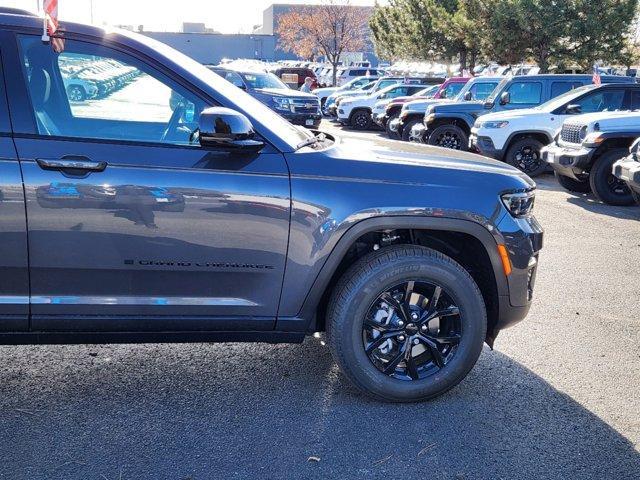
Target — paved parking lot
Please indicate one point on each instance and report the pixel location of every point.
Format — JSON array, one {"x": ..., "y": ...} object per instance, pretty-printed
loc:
[{"x": 558, "y": 398}]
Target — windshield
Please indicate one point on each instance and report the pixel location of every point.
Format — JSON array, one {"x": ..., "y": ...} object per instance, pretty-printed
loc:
[
  {"x": 427, "y": 92},
  {"x": 248, "y": 105},
  {"x": 480, "y": 90},
  {"x": 564, "y": 98},
  {"x": 259, "y": 80},
  {"x": 498, "y": 89}
]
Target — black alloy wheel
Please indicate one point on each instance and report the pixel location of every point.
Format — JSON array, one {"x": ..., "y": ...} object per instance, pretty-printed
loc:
[
  {"x": 412, "y": 330},
  {"x": 449, "y": 136},
  {"x": 525, "y": 155}
]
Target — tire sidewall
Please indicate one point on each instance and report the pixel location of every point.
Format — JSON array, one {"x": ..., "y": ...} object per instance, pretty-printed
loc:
[
  {"x": 599, "y": 174},
  {"x": 360, "y": 113},
  {"x": 464, "y": 138},
  {"x": 537, "y": 145},
  {"x": 390, "y": 134},
  {"x": 406, "y": 130},
  {"x": 371, "y": 286}
]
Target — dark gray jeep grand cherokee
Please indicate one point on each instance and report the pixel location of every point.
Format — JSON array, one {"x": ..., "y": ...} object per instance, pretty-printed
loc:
[{"x": 134, "y": 218}]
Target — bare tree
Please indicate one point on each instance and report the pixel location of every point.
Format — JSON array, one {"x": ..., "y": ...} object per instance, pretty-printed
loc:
[{"x": 330, "y": 29}]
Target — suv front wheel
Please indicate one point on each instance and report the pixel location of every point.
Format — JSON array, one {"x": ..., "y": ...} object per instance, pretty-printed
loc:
[
  {"x": 449, "y": 136},
  {"x": 406, "y": 323},
  {"x": 361, "y": 120},
  {"x": 605, "y": 186},
  {"x": 525, "y": 156}
]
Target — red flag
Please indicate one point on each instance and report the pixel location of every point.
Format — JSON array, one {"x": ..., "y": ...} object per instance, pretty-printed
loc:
[{"x": 51, "y": 14}]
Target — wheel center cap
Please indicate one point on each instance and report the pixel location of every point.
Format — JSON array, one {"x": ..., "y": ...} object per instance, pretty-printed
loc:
[{"x": 411, "y": 328}]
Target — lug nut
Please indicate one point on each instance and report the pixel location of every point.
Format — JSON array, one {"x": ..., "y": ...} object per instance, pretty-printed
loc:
[
  {"x": 424, "y": 328},
  {"x": 400, "y": 323},
  {"x": 416, "y": 341},
  {"x": 401, "y": 338},
  {"x": 414, "y": 316}
]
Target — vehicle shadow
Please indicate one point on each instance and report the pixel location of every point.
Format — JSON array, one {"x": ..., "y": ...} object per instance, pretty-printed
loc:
[
  {"x": 587, "y": 201},
  {"x": 282, "y": 411}
]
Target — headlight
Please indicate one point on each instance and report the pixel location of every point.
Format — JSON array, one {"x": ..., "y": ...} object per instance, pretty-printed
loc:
[
  {"x": 496, "y": 124},
  {"x": 281, "y": 103},
  {"x": 594, "y": 138},
  {"x": 519, "y": 204}
]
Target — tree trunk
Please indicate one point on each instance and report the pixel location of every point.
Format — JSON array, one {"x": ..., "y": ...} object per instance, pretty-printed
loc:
[
  {"x": 463, "y": 60},
  {"x": 334, "y": 64},
  {"x": 472, "y": 60}
]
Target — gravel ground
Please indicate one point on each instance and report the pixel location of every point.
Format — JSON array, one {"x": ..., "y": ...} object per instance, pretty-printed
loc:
[{"x": 558, "y": 398}]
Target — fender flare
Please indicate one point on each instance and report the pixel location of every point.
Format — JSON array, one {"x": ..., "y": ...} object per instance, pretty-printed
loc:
[
  {"x": 354, "y": 232},
  {"x": 439, "y": 120},
  {"x": 518, "y": 133}
]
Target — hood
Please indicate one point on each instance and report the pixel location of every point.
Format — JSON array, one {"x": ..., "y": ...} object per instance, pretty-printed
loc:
[
  {"x": 285, "y": 92},
  {"x": 325, "y": 92},
  {"x": 383, "y": 160},
  {"x": 514, "y": 114},
  {"x": 617, "y": 120},
  {"x": 458, "y": 107},
  {"x": 422, "y": 104}
]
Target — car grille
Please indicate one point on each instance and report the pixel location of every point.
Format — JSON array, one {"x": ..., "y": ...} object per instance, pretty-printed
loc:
[
  {"x": 311, "y": 105},
  {"x": 570, "y": 133}
]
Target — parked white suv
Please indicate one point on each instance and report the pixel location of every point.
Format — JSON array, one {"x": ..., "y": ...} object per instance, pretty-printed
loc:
[
  {"x": 345, "y": 75},
  {"x": 355, "y": 84},
  {"x": 517, "y": 136},
  {"x": 587, "y": 148},
  {"x": 356, "y": 111}
]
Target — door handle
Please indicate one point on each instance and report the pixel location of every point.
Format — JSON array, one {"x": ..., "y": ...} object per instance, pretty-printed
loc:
[{"x": 71, "y": 163}]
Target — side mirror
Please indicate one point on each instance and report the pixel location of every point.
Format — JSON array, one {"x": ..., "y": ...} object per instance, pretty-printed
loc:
[
  {"x": 505, "y": 98},
  {"x": 573, "y": 109},
  {"x": 468, "y": 96},
  {"x": 227, "y": 129},
  {"x": 443, "y": 94}
]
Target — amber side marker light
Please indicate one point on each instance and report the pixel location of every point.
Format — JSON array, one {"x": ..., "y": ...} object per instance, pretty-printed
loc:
[{"x": 504, "y": 256}]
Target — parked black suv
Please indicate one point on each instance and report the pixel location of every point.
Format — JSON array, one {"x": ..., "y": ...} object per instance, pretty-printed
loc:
[
  {"x": 299, "y": 108},
  {"x": 274, "y": 233}
]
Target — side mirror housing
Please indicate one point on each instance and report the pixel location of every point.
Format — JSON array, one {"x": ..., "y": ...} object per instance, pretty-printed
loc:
[
  {"x": 468, "y": 96},
  {"x": 573, "y": 109},
  {"x": 229, "y": 130},
  {"x": 505, "y": 98},
  {"x": 443, "y": 94}
]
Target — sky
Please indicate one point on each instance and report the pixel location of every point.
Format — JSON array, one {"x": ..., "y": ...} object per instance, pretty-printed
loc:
[{"x": 226, "y": 16}]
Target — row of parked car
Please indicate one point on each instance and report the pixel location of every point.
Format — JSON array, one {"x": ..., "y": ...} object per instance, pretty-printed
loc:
[
  {"x": 85, "y": 80},
  {"x": 536, "y": 123}
]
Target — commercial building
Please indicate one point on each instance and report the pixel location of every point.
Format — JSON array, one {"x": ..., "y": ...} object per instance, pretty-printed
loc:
[{"x": 209, "y": 47}]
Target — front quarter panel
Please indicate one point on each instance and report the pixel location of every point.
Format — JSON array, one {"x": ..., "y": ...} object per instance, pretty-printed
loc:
[{"x": 335, "y": 189}]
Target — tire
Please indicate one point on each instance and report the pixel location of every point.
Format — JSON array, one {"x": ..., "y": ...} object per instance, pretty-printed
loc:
[
  {"x": 406, "y": 130},
  {"x": 76, "y": 93},
  {"x": 449, "y": 136},
  {"x": 604, "y": 185},
  {"x": 391, "y": 134},
  {"x": 524, "y": 154},
  {"x": 572, "y": 185},
  {"x": 360, "y": 120},
  {"x": 636, "y": 197},
  {"x": 358, "y": 292}
]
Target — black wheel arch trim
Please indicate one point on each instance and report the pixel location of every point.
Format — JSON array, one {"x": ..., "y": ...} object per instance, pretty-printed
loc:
[
  {"x": 525, "y": 133},
  {"x": 305, "y": 320},
  {"x": 445, "y": 119}
]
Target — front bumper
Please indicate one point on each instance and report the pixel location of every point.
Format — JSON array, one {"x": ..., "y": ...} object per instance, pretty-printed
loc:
[
  {"x": 523, "y": 239},
  {"x": 484, "y": 146},
  {"x": 628, "y": 170},
  {"x": 570, "y": 162},
  {"x": 304, "y": 119},
  {"x": 380, "y": 119}
]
